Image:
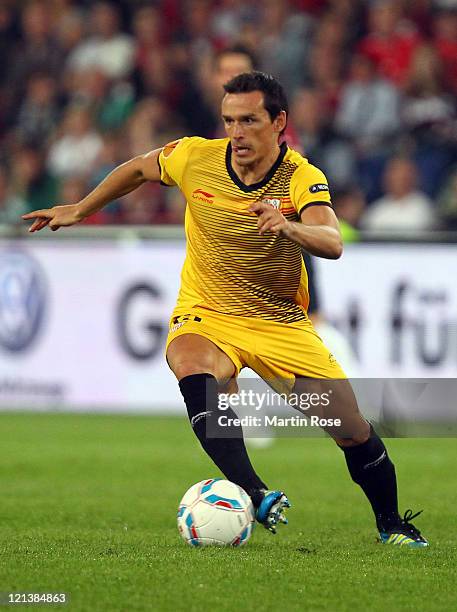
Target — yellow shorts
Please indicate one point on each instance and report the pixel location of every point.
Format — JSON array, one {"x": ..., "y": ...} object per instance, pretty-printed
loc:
[{"x": 277, "y": 352}]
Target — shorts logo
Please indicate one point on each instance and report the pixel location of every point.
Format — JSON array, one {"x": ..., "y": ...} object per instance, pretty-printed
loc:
[
  {"x": 176, "y": 326},
  {"x": 275, "y": 202},
  {"x": 203, "y": 196},
  {"x": 332, "y": 358},
  {"x": 318, "y": 187},
  {"x": 179, "y": 321}
]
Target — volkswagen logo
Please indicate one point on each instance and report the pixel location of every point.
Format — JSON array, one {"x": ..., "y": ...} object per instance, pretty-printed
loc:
[{"x": 22, "y": 300}]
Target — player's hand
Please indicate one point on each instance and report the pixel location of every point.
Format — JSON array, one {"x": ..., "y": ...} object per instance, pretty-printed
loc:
[
  {"x": 55, "y": 217},
  {"x": 270, "y": 219}
]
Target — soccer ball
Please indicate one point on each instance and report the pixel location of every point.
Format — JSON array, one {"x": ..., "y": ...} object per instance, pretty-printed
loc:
[{"x": 216, "y": 512}]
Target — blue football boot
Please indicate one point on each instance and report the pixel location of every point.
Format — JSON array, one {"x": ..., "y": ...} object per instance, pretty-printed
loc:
[{"x": 270, "y": 511}]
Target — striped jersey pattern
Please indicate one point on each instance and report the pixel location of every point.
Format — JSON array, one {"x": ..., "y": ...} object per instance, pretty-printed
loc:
[{"x": 229, "y": 267}]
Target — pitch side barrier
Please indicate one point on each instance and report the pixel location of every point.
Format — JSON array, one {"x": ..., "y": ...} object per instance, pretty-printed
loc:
[{"x": 84, "y": 315}]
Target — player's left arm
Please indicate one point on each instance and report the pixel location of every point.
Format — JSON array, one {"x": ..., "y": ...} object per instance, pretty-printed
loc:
[{"x": 318, "y": 232}]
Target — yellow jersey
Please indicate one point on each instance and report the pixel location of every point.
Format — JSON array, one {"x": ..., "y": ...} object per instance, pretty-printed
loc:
[{"x": 230, "y": 268}]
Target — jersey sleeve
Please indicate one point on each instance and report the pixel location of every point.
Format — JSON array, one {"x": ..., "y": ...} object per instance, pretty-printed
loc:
[
  {"x": 173, "y": 159},
  {"x": 309, "y": 187}
]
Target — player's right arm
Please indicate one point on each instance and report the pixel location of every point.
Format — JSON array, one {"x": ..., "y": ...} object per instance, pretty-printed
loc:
[{"x": 122, "y": 180}]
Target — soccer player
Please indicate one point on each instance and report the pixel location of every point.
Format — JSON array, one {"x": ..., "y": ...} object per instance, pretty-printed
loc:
[{"x": 252, "y": 205}]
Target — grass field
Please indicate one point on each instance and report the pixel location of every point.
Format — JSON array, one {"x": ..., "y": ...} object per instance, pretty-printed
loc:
[{"x": 88, "y": 507}]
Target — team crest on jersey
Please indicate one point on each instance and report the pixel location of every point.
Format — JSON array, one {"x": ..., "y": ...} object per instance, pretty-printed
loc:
[
  {"x": 170, "y": 147},
  {"x": 275, "y": 202}
]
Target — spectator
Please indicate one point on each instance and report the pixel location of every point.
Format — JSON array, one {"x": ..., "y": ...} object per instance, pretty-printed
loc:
[
  {"x": 349, "y": 205},
  {"x": 165, "y": 80},
  {"x": 11, "y": 205},
  {"x": 350, "y": 14},
  {"x": 108, "y": 48},
  {"x": 331, "y": 30},
  {"x": 229, "y": 18},
  {"x": 228, "y": 63},
  {"x": 107, "y": 159},
  {"x": 429, "y": 118},
  {"x": 175, "y": 206},
  {"x": 142, "y": 206},
  {"x": 76, "y": 149},
  {"x": 197, "y": 30},
  {"x": 7, "y": 45},
  {"x": 151, "y": 63},
  {"x": 326, "y": 75},
  {"x": 110, "y": 103},
  {"x": 149, "y": 127},
  {"x": 69, "y": 29},
  {"x": 445, "y": 42},
  {"x": 72, "y": 190},
  {"x": 38, "y": 113},
  {"x": 37, "y": 50},
  {"x": 7, "y": 34},
  {"x": 75, "y": 188},
  {"x": 391, "y": 40},
  {"x": 427, "y": 102},
  {"x": 403, "y": 208},
  {"x": 30, "y": 179},
  {"x": 148, "y": 33},
  {"x": 317, "y": 139},
  {"x": 419, "y": 12},
  {"x": 283, "y": 42},
  {"x": 369, "y": 115},
  {"x": 369, "y": 108},
  {"x": 201, "y": 102},
  {"x": 109, "y": 156},
  {"x": 447, "y": 202}
]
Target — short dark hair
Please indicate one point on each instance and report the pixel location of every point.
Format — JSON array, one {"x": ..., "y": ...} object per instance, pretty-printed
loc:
[
  {"x": 274, "y": 97},
  {"x": 237, "y": 50}
]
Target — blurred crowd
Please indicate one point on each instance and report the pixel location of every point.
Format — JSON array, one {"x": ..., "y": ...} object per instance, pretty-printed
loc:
[{"x": 372, "y": 86}]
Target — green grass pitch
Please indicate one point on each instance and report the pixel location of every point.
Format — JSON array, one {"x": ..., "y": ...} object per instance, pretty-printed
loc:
[{"x": 88, "y": 506}]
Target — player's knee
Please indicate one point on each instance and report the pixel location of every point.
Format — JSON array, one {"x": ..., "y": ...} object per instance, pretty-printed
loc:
[
  {"x": 189, "y": 365},
  {"x": 359, "y": 435},
  {"x": 357, "y": 438}
]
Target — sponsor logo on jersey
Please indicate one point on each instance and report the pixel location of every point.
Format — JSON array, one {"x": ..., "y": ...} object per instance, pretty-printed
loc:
[
  {"x": 318, "y": 187},
  {"x": 202, "y": 196},
  {"x": 275, "y": 202}
]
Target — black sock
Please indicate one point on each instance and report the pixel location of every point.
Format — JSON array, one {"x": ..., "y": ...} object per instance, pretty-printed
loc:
[
  {"x": 371, "y": 468},
  {"x": 229, "y": 454}
]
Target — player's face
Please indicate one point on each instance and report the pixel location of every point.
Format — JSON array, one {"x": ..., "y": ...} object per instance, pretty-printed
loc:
[{"x": 253, "y": 135}]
